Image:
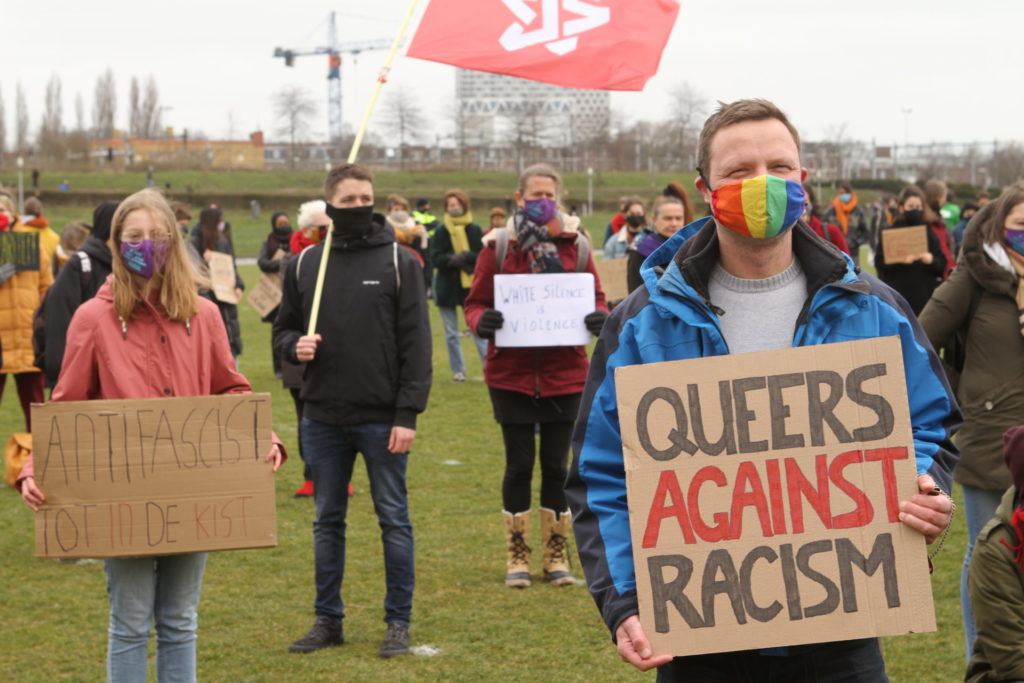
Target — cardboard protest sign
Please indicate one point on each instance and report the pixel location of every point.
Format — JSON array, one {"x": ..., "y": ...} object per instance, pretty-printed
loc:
[
  {"x": 21, "y": 249},
  {"x": 613, "y": 278},
  {"x": 126, "y": 478},
  {"x": 899, "y": 243},
  {"x": 266, "y": 295},
  {"x": 543, "y": 309},
  {"x": 791, "y": 535},
  {"x": 222, "y": 275}
]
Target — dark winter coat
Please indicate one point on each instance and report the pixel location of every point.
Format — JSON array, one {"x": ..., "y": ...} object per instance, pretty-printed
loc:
[
  {"x": 914, "y": 281},
  {"x": 996, "y": 587},
  {"x": 643, "y": 247},
  {"x": 374, "y": 363},
  {"x": 991, "y": 387},
  {"x": 448, "y": 289},
  {"x": 77, "y": 282},
  {"x": 541, "y": 371}
]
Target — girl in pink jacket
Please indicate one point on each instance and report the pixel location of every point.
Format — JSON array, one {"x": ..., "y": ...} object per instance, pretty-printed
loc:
[{"x": 147, "y": 334}]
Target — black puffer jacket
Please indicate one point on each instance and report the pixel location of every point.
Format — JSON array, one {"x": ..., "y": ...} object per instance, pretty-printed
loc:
[
  {"x": 374, "y": 362},
  {"x": 991, "y": 387}
]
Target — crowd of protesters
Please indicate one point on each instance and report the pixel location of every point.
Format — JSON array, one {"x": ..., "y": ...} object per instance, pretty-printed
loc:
[{"x": 100, "y": 289}]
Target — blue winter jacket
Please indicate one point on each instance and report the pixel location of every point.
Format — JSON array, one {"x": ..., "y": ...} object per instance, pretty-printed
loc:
[{"x": 671, "y": 318}]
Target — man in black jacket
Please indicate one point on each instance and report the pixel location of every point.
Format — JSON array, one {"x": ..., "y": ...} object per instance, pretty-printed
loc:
[{"x": 368, "y": 377}]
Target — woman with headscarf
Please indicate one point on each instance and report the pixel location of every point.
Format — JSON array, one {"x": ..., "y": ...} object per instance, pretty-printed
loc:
[{"x": 273, "y": 254}]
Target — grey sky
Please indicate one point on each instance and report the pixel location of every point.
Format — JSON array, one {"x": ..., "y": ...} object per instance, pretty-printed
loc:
[{"x": 826, "y": 63}]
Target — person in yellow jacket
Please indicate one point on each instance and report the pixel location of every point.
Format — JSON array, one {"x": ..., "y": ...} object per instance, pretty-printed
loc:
[
  {"x": 33, "y": 220},
  {"x": 20, "y": 294}
]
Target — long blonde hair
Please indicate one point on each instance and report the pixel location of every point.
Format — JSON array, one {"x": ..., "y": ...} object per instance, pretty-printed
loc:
[{"x": 179, "y": 280}]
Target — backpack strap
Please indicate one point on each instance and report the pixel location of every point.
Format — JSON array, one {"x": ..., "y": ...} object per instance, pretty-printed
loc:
[
  {"x": 86, "y": 269},
  {"x": 500, "y": 249},
  {"x": 582, "y": 252},
  {"x": 298, "y": 263},
  {"x": 394, "y": 260}
]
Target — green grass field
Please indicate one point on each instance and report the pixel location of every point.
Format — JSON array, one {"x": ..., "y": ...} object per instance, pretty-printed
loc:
[{"x": 256, "y": 602}]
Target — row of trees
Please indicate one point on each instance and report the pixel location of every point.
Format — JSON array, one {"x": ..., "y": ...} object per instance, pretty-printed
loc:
[{"x": 55, "y": 140}]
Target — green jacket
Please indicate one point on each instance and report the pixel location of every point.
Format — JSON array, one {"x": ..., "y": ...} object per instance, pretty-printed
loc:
[
  {"x": 996, "y": 587},
  {"x": 448, "y": 289},
  {"x": 991, "y": 387}
]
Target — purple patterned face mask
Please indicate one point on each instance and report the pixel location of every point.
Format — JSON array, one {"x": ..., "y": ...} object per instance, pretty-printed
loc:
[
  {"x": 540, "y": 211},
  {"x": 146, "y": 257},
  {"x": 1015, "y": 240}
]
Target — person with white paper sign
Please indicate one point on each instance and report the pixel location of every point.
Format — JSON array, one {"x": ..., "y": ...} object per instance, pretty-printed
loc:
[
  {"x": 919, "y": 274},
  {"x": 148, "y": 334},
  {"x": 534, "y": 385},
  {"x": 751, "y": 277}
]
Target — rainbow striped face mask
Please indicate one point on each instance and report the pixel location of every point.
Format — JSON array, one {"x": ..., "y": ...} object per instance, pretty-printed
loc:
[{"x": 761, "y": 207}]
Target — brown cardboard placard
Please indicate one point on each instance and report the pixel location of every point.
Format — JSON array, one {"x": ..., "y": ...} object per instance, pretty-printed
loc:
[
  {"x": 763, "y": 495},
  {"x": 222, "y": 275},
  {"x": 126, "y": 478},
  {"x": 612, "y": 275},
  {"x": 899, "y": 243},
  {"x": 266, "y": 295}
]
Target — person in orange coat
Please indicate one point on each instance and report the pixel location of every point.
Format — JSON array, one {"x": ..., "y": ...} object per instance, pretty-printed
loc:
[{"x": 20, "y": 294}]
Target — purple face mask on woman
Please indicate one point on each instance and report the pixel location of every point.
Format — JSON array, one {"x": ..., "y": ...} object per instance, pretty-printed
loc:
[
  {"x": 540, "y": 211},
  {"x": 146, "y": 257}
]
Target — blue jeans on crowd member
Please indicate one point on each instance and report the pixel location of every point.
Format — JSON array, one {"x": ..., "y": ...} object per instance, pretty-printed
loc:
[
  {"x": 979, "y": 507},
  {"x": 142, "y": 590},
  {"x": 331, "y": 452},
  {"x": 450, "y": 319}
]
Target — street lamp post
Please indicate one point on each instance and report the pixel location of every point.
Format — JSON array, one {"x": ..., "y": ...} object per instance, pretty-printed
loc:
[{"x": 21, "y": 185}]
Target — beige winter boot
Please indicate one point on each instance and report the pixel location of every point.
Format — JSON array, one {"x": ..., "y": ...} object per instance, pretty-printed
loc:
[
  {"x": 517, "y": 526},
  {"x": 554, "y": 529}
]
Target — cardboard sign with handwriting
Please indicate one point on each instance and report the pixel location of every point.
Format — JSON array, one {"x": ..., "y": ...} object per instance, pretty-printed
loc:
[
  {"x": 544, "y": 309},
  {"x": 266, "y": 295},
  {"x": 899, "y": 243},
  {"x": 764, "y": 495},
  {"x": 222, "y": 274},
  {"x": 126, "y": 478},
  {"x": 612, "y": 275}
]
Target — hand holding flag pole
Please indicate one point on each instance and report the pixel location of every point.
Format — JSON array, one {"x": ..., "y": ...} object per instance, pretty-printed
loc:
[{"x": 382, "y": 78}]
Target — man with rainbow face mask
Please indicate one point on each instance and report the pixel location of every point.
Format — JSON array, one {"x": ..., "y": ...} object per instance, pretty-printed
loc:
[{"x": 750, "y": 277}]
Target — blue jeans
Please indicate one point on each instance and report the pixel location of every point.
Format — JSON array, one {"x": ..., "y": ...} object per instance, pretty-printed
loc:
[
  {"x": 142, "y": 590},
  {"x": 450, "y": 319},
  {"x": 331, "y": 452},
  {"x": 979, "y": 507}
]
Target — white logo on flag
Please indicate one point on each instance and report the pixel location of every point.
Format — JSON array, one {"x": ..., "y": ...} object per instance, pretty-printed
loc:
[{"x": 559, "y": 37}]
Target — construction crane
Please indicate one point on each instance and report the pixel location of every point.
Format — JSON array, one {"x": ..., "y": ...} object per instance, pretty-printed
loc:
[{"x": 333, "y": 50}]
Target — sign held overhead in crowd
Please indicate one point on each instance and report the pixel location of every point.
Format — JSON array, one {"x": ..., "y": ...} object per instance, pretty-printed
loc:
[{"x": 792, "y": 534}]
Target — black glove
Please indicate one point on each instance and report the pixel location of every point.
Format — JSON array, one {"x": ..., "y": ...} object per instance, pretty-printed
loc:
[
  {"x": 490, "y": 322},
  {"x": 455, "y": 260},
  {"x": 595, "y": 321}
]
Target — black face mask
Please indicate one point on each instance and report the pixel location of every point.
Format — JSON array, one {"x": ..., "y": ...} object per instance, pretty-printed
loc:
[
  {"x": 913, "y": 217},
  {"x": 351, "y": 223},
  {"x": 283, "y": 229},
  {"x": 636, "y": 221}
]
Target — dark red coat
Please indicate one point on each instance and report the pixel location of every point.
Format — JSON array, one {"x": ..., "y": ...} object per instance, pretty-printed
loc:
[
  {"x": 829, "y": 233},
  {"x": 541, "y": 371}
]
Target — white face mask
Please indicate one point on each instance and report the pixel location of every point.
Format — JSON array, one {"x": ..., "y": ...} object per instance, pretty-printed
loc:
[{"x": 400, "y": 216}]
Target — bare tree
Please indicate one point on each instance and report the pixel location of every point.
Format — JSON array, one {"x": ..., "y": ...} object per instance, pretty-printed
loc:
[
  {"x": 149, "y": 110},
  {"x": 134, "y": 111},
  {"x": 687, "y": 109},
  {"x": 836, "y": 144},
  {"x": 51, "y": 130},
  {"x": 79, "y": 112},
  {"x": 294, "y": 107},
  {"x": 403, "y": 118},
  {"x": 3, "y": 128},
  {"x": 104, "y": 106},
  {"x": 525, "y": 132},
  {"x": 20, "y": 121},
  {"x": 1008, "y": 165}
]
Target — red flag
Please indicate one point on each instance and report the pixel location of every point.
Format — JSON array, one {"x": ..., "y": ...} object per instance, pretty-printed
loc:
[{"x": 598, "y": 44}]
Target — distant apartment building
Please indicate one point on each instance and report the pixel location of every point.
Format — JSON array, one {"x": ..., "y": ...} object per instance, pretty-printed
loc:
[{"x": 491, "y": 106}]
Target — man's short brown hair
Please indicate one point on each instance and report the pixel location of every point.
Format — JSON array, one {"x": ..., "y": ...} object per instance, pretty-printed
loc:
[
  {"x": 731, "y": 114},
  {"x": 343, "y": 172}
]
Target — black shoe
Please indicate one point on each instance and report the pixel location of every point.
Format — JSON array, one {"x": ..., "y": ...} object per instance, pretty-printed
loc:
[
  {"x": 396, "y": 641},
  {"x": 326, "y": 632}
]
